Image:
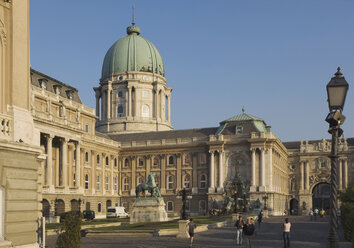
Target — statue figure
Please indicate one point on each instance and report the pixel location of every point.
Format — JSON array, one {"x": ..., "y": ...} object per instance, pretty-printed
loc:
[{"x": 149, "y": 186}]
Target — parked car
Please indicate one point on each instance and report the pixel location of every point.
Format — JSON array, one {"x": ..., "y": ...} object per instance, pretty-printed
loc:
[
  {"x": 116, "y": 212},
  {"x": 63, "y": 215},
  {"x": 89, "y": 214}
]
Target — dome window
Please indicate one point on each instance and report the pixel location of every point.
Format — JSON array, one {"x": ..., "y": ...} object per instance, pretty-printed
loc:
[
  {"x": 120, "y": 78},
  {"x": 120, "y": 111},
  {"x": 43, "y": 83},
  {"x": 57, "y": 89},
  {"x": 239, "y": 129}
]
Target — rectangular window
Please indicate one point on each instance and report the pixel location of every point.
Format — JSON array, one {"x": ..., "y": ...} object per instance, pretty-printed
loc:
[
  {"x": 86, "y": 181},
  {"x": 98, "y": 186},
  {"x": 239, "y": 130},
  {"x": 155, "y": 162},
  {"x": 202, "y": 158},
  {"x": 141, "y": 162},
  {"x": 169, "y": 206},
  {"x": 74, "y": 181},
  {"x": 107, "y": 183},
  {"x": 87, "y": 128},
  {"x": 86, "y": 157}
]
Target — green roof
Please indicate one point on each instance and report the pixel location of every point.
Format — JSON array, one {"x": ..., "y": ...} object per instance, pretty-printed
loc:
[
  {"x": 243, "y": 117},
  {"x": 132, "y": 53}
]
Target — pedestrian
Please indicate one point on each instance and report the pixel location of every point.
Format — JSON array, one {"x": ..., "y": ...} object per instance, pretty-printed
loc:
[
  {"x": 286, "y": 233},
  {"x": 260, "y": 217},
  {"x": 248, "y": 231},
  {"x": 311, "y": 214},
  {"x": 239, "y": 228},
  {"x": 191, "y": 226},
  {"x": 315, "y": 213}
]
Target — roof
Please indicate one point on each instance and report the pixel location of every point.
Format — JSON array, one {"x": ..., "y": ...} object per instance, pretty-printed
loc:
[
  {"x": 296, "y": 144},
  {"x": 36, "y": 76},
  {"x": 243, "y": 117},
  {"x": 172, "y": 134}
]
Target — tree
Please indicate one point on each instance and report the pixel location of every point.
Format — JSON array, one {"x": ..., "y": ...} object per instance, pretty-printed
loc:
[
  {"x": 70, "y": 236},
  {"x": 347, "y": 212}
]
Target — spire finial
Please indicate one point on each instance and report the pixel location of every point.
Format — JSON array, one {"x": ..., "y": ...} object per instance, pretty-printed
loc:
[
  {"x": 133, "y": 23},
  {"x": 243, "y": 109}
]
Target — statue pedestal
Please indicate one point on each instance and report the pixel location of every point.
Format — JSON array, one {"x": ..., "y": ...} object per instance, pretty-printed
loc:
[
  {"x": 149, "y": 209},
  {"x": 182, "y": 229}
]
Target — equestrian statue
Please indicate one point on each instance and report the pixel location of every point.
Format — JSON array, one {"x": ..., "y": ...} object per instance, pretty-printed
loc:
[{"x": 150, "y": 186}]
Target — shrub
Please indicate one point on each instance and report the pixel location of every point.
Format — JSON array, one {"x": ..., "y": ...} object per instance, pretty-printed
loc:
[
  {"x": 70, "y": 236},
  {"x": 347, "y": 213}
]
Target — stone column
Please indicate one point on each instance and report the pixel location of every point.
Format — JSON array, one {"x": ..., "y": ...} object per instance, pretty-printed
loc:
[
  {"x": 179, "y": 171},
  {"x": 301, "y": 176},
  {"x": 120, "y": 184},
  {"x": 103, "y": 181},
  {"x": 163, "y": 173},
  {"x": 270, "y": 169},
  {"x": 221, "y": 171},
  {"x": 169, "y": 108},
  {"x": 109, "y": 91},
  {"x": 65, "y": 162},
  {"x": 262, "y": 169},
  {"x": 340, "y": 174},
  {"x": 156, "y": 103},
  {"x": 133, "y": 176},
  {"x": 97, "y": 94},
  {"x": 346, "y": 173},
  {"x": 93, "y": 173},
  {"x": 78, "y": 165},
  {"x": 211, "y": 173},
  {"x": 161, "y": 106},
  {"x": 307, "y": 179},
  {"x": 112, "y": 175},
  {"x": 102, "y": 104},
  {"x": 253, "y": 167},
  {"x": 50, "y": 162},
  {"x": 130, "y": 102},
  {"x": 194, "y": 161}
]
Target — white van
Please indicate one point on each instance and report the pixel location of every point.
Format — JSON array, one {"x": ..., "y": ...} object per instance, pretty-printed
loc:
[{"x": 116, "y": 212}]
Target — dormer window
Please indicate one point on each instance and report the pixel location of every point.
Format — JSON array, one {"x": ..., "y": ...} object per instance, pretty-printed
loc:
[
  {"x": 239, "y": 129},
  {"x": 57, "y": 89},
  {"x": 43, "y": 83},
  {"x": 69, "y": 94}
]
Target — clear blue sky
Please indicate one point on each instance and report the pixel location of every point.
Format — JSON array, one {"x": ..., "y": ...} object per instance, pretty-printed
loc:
[{"x": 273, "y": 57}]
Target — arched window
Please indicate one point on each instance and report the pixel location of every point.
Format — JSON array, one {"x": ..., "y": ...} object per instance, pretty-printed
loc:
[
  {"x": 145, "y": 111},
  {"x": 170, "y": 182},
  {"x": 171, "y": 160},
  {"x": 141, "y": 162},
  {"x": 186, "y": 181},
  {"x": 86, "y": 157},
  {"x": 107, "y": 160},
  {"x": 98, "y": 158},
  {"x": 156, "y": 162},
  {"x": 126, "y": 163},
  {"x": 140, "y": 180},
  {"x": 126, "y": 183},
  {"x": 86, "y": 181},
  {"x": 202, "y": 181},
  {"x": 99, "y": 207},
  {"x": 115, "y": 162}
]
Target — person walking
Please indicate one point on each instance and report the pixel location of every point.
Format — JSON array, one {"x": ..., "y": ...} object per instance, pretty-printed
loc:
[
  {"x": 191, "y": 226},
  {"x": 311, "y": 214},
  {"x": 315, "y": 213},
  {"x": 286, "y": 233},
  {"x": 260, "y": 217},
  {"x": 248, "y": 231},
  {"x": 239, "y": 228}
]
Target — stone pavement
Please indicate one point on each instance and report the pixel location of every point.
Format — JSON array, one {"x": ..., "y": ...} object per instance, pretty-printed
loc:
[{"x": 304, "y": 234}]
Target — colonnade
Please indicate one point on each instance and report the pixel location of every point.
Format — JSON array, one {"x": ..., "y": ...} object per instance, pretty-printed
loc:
[
  {"x": 262, "y": 179},
  {"x": 132, "y": 106},
  {"x": 212, "y": 171}
]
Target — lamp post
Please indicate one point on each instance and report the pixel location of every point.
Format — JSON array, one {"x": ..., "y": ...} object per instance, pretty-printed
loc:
[
  {"x": 337, "y": 90},
  {"x": 183, "y": 194},
  {"x": 265, "y": 198}
]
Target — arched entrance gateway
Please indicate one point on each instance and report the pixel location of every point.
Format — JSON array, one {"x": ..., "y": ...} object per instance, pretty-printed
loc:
[
  {"x": 320, "y": 196},
  {"x": 45, "y": 208},
  {"x": 294, "y": 206}
]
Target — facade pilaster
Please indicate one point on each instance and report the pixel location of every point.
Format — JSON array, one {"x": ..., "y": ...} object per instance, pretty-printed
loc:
[
  {"x": 103, "y": 166},
  {"x": 93, "y": 172},
  {"x": 97, "y": 94},
  {"x": 345, "y": 173},
  {"x": 134, "y": 164},
  {"x": 112, "y": 175},
  {"x": 163, "y": 174},
  {"x": 340, "y": 174},
  {"x": 169, "y": 108},
  {"x": 179, "y": 171},
  {"x": 301, "y": 176},
  {"x": 262, "y": 169},
  {"x": 194, "y": 161},
  {"x": 64, "y": 174},
  {"x": 109, "y": 102},
  {"x": 253, "y": 169},
  {"x": 50, "y": 162},
  {"x": 161, "y": 106},
  {"x": 307, "y": 179},
  {"x": 212, "y": 173},
  {"x": 78, "y": 165},
  {"x": 221, "y": 172},
  {"x": 270, "y": 176},
  {"x": 156, "y": 103},
  {"x": 129, "y": 106}
]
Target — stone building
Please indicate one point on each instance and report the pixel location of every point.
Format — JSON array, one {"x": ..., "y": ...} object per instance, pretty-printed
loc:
[{"x": 96, "y": 159}]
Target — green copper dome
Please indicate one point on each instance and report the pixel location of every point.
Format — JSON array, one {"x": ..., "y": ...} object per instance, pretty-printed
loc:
[{"x": 132, "y": 53}]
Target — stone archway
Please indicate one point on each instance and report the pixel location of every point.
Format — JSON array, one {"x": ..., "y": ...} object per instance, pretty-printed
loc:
[
  {"x": 59, "y": 207},
  {"x": 320, "y": 196},
  {"x": 45, "y": 208},
  {"x": 108, "y": 203},
  {"x": 74, "y": 205},
  {"x": 294, "y": 207}
]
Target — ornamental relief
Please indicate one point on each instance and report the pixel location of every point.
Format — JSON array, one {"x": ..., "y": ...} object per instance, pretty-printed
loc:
[
  {"x": 2, "y": 33},
  {"x": 323, "y": 177}
]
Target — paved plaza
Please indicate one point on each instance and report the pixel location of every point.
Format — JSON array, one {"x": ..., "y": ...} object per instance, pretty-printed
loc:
[{"x": 304, "y": 234}]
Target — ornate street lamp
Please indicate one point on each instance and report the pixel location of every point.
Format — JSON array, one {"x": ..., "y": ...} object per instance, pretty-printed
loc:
[
  {"x": 337, "y": 90},
  {"x": 183, "y": 194},
  {"x": 265, "y": 198}
]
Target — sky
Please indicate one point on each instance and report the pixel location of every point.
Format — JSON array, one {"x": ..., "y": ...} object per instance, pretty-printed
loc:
[{"x": 274, "y": 58}]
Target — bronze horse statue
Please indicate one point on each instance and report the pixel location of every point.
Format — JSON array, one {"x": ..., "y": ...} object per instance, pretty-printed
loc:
[{"x": 150, "y": 186}]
